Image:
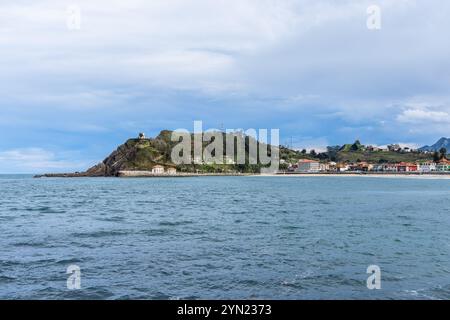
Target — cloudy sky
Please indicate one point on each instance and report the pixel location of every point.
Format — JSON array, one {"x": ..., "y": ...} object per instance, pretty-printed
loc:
[{"x": 312, "y": 68}]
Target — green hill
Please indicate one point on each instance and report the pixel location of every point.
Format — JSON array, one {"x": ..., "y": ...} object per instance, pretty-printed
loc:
[{"x": 144, "y": 154}]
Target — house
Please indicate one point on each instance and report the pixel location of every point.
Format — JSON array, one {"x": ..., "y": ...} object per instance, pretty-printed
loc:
[
  {"x": 427, "y": 166},
  {"x": 342, "y": 167},
  {"x": 390, "y": 167},
  {"x": 378, "y": 167},
  {"x": 171, "y": 170},
  {"x": 364, "y": 166},
  {"x": 158, "y": 169},
  {"x": 373, "y": 148},
  {"x": 305, "y": 165},
  {"x": 360, "y": 166},
  {"x": 332, "y": 166},
  {"x": 324, "y": 167},
  {"x": 406, "y": 167},
  {"x": 443, "y": 165},
  {"x": 394, "y": 147}
]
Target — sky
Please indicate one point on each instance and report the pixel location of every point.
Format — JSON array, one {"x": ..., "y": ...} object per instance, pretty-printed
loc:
[{"x": 73, "y": 87}]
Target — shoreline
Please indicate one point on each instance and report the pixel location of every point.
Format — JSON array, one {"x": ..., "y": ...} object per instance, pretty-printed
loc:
[{"x": 428, "y": 175}]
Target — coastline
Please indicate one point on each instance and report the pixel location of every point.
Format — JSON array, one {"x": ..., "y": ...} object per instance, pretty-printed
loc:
[
  {"x": 431, "y": 175},
  {"x": 142, "y": 174}
]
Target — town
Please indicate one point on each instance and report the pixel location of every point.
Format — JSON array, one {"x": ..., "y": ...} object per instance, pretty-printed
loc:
[
  {"x": 378, "y": 160},
  {"x": 314, "y": 166}
]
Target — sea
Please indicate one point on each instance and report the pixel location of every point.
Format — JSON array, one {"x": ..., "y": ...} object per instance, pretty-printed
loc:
[{"x": 248, "y": 237}]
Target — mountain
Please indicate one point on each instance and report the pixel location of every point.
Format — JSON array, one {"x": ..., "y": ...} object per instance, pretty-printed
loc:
[{"x": 441, "y": 143}]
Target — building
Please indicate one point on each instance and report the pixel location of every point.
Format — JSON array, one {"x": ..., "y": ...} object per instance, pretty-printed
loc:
[
  {"x": 141, "y": 136},
  {"x": 406, "y": 167},
  {"x": 305, "y": 165},
  {"x": 394, "y": 147},
  {"x": 324, "y": 167},
  {"x": 363, "y": 166},
  {"x": 332, "y": 166},
  {"x": 158, "y": 169},
  {"x": 378, "y": 167},
  {"x": 171, "y": 170},
  {"x": 342, "y": 167},
  {"x": 443, "y": 165},
  {"x": 373, "y": 148},
  {"x": 390, "y": 167},
  {"x": 427, "y": 166}
]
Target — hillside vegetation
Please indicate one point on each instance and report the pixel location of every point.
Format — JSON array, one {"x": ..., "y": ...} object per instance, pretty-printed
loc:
[{"x": 144, "y": 154}]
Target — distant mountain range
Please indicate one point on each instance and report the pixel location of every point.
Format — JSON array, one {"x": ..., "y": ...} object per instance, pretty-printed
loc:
[{"x": 441, "y": 143}]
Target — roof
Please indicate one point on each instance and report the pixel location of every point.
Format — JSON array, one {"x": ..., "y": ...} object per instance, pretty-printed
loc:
[
  {"x": 409, "y": 164},
  {"x": 444, "y": 161},
  {"x": 307, "y": 161}
]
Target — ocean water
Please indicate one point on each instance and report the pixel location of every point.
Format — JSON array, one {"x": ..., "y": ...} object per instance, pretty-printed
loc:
[{"x": 224, "y": 237}]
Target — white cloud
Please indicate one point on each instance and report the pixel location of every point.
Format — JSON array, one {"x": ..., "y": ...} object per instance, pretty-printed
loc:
[
  {"x": 191, "y": 44},
  {"x": 418, "y": 116},
  {"x": 35, "y": 160}
]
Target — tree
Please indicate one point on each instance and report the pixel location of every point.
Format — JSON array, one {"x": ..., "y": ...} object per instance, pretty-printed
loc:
[
  {"x": 303, "y": 151},
  {"x": 313, "y": 152},
  {"x": 333, "y": 152},
  {"x": 442, "y": 153},
  {"x": 436, "y": 156},
  {"x": 355, "y": 146}
]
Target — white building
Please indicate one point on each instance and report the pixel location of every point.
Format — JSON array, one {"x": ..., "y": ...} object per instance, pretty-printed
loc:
[
  {"x": 390, "y": 167},
  {"x": 171, "y": 170},
  {"x": 342, "y": 167},
  {"x": 305, "y": 165},
  {"x": 426, "y": 167},
  {"x": 443, "y": 165},
  {"x": 158, "y": 169}
]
